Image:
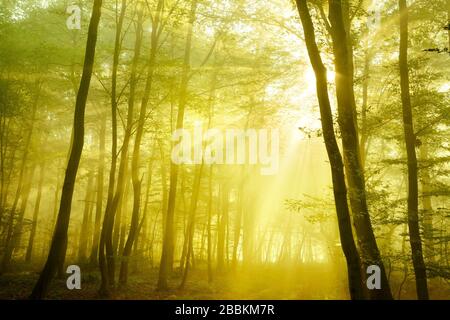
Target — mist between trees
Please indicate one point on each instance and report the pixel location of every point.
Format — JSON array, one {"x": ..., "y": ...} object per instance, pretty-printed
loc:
[{"x": 339, "y": 110}]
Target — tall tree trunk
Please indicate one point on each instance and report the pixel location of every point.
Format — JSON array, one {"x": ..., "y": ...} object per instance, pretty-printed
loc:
[
  {"x": 135, "y": 160},
  {"x": 209, "y": 236},
  {"x": 427, "y": 205},
  {"x": 14, "y": 238},
  {"x": 355, "y": 277},
  {"x": 191, "y": 222},
  {"x": 59, "y": 241},
  {"x": 99, "y": 205},
  {"x": 120, "y": 203},
  {"x": 348, "y": 245},
  {"x": 222, "y": 229},
  {"x": 84, "y": 234},
  {"x": 410, "y": 141},
  {"x": 140, "y": 243},
  {"x": 10, "y": 236},
  {"x": 238, "y": 224},
  {"x": 352, "y": 156},
  {"x": 169, "y": 232},
  {"x": 37, "y": 204},
  {"x": 106, "y": 251},
  {"x": 364, "y": 107}
]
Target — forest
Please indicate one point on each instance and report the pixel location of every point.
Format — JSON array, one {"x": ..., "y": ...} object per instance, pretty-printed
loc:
[{"x": 233, "y": 149}]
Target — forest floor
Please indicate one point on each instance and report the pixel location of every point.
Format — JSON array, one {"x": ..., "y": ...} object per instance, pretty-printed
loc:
[
  {"x": 258, "y": 283},
  {"x": 262, "y": 283}
]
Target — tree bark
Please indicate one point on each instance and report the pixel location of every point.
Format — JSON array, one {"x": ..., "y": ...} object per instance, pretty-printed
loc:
[
  {"x": 169, "y": 232},
  {"x": 37, "y": 204},
  {"x": 99, "y": 206},
  {"x": 12, "y": 228},
  {"x": 352, "y": 156},
  {"x": 410, "y": 142},
  {"x": 209, "y": 232},
  {"x": 364, "y": 107},
  {"x": 221, "y": 229},
  {"x": 106, "y": 251},
  {"x": 59, "y": 241},
  {"x": 15, "y": 235},
  {"x": 84, "y": 230},
  {"x": 355, "y": 277},
  {"x": 427, "y": 206},
  {"x": 191, "y": 222},
  {"x": 135, "y": 159}
]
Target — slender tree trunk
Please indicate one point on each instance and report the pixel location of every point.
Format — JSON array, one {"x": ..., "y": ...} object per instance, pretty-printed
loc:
[
  {"x": 410, "y": 141},
  {"x": 4, "y": 124},
  {"x": 169, "y": 232},
  {"x": 364, "y": 129},
  {"x": 37, "y": 204},
  {"x": 352, "y": 156},
  {"x": 238, "y": 223},
  {"x": 59, "y": 241},
  {"x": 427, "y": 206},
  {"x": 185, "y": 212},
  {"x": 84, "y": 234},
  {"x": 209, "y": 236},
  {"x": 11, "y": 236},
  {"x": 120, "y": 203},
  {"x": 135, "y": 160},
  {"x": 221, "y": 230},
  {"x": 140, "y": 245},
  {"x": 100, "y": 180},
  {"x": 191, "y": 222},
  {"x": 106, "y": 252},
  {"x": 13, "y": 241},
  {"x": 355, "y": 277}
]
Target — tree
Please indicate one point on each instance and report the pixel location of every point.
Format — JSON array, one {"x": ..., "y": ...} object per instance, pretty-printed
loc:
[
  {"x": 37, "y": 205},
  {"x": 135, "y": 160},
  {"x": 354, "y": 269},
  {"x": 106, "y": 252},
  {"x": 99, "y": 205},
  {"x": 350, "y": 141},
  {"x": 410, "y": 142},
  {"x": 59, "y": 241},
  {"x": 168, "y": 242}
]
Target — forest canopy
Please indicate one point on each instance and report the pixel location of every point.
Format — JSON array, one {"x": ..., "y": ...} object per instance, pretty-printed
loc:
[{"x": 230, "y": 149}]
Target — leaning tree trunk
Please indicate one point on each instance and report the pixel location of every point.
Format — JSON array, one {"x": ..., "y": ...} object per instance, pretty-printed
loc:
[
  {"x": 337, "y": 167},
  {"x": 410, "y": 141},
  {"x": 59, "y": 241},
  {"x": 352, "y": 158}
]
